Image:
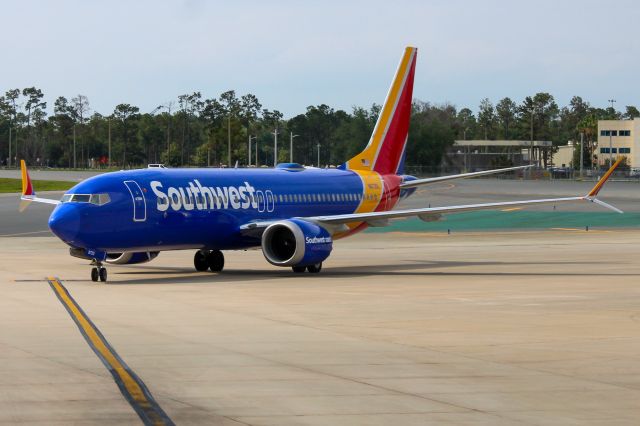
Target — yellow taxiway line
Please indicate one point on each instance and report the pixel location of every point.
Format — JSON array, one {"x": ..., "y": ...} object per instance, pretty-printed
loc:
[{"x": 131, "y": 386}]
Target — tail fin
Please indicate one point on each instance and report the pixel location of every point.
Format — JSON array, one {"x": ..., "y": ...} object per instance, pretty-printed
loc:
[{"x": 385, "y": 151}]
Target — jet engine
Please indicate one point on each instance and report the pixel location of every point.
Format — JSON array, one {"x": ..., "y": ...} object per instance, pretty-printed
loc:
[
  {"x": 296, "y": 242},
  {"x": 130, "y": 258}
]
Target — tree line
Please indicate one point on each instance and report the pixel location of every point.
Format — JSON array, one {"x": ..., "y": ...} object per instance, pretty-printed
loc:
[{"x": 194, "y": 131}]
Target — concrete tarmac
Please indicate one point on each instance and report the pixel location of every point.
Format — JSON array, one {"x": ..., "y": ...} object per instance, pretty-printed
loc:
[{"x": 533, "y": 328}]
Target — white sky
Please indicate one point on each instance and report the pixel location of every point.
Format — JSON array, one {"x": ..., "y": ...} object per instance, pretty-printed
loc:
[{"x": 292, "y": 54}]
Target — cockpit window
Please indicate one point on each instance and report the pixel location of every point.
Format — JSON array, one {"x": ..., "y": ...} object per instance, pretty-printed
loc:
[
  {"x": 103, "y": 199},
  {"x": 97, "y": 199},
  {"x": 81, "y": 198}
]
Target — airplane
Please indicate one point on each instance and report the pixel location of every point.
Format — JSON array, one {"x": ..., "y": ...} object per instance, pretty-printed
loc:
[{"x": 293, "y": 213}]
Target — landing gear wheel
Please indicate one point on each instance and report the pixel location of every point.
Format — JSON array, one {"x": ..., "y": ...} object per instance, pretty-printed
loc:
[
  {"x": 103, "y": 274},
  {"x": 95, "y": 275},
  {"x": 215, "y": 260},
  {"x": 200, "y": 261},
  {"x": 314, "y": 269},
  {"x": 299, "y": 269}
]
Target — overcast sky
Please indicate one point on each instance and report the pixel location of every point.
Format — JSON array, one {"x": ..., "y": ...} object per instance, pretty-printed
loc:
[{"x": 292, "y": 54}]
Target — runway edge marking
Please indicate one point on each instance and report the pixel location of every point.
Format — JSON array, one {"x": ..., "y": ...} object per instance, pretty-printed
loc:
[{"x": 131, "y": 386}]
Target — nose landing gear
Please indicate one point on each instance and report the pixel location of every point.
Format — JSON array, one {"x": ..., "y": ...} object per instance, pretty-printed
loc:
[{"x": 98, "y": 272}]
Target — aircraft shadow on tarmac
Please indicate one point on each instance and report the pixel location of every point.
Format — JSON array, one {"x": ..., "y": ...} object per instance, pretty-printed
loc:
[{"x": 173, "y": 275}]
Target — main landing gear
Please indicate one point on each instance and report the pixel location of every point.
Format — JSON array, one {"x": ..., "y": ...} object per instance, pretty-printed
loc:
[
  {"x": 98, "y": 272},
  {"x": 314, "y": 269},
  {"x": 212, "y": 260}
]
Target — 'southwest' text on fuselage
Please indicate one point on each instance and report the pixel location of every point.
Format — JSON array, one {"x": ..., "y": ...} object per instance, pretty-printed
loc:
[{"x": 199, "y": 197}]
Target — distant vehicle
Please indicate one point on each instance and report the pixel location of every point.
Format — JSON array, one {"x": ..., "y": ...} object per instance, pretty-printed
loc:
[
  {"x": 156, "y": 166},
  {"x": 560, "y": 172},
  {"x": 293, "y": 213}
]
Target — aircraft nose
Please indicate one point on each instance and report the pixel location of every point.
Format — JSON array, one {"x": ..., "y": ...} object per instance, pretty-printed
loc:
[{"x": 64, "y": 222}]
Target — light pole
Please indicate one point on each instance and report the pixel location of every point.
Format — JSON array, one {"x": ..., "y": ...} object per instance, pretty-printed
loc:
[
  {"x": 74, "y": 144},
  {"x": 318, "y": 155},
  {"x": 229, "y": 140},
  {"x": 533, "y": 111},
  {"x": 275, "y": 148},
  {"x": 291, "y": 146},
  {"x": 109, "y": 136},
  {"x": 610, "y": 137},
  {"x": 249, "y": 151},
  {"x": 581, "y": 152}
]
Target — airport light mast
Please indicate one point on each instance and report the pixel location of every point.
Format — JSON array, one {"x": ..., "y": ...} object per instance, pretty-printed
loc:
[
  {"x": 533, "y": 111},
  {"x": 275, "y": 147},
  {"x": 291, "y": 146},
  {"x": 610, "y": 136},
  {"x": 229, "y": 140}
]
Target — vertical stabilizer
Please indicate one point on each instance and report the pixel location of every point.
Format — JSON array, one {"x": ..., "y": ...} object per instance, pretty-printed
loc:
[{"x": 385, "y": 151}]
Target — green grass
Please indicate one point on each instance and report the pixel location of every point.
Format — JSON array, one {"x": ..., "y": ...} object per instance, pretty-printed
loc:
[
  {"x": 515, "y": 220},
  {"x": 15, "y": 185}
]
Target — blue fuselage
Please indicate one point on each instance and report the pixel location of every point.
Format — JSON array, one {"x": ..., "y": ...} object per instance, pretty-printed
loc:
[{"x": 168, "y": 209}]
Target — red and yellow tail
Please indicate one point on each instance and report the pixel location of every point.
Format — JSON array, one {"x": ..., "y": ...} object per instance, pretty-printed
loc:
[{"x": 385, "y": 150}]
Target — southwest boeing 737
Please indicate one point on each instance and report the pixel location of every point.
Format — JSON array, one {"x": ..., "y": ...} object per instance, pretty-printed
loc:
[{"x": 293, "y": 213}]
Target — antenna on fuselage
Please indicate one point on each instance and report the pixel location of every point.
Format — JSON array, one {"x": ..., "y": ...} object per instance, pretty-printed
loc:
[{"x": 236, "y": 166}]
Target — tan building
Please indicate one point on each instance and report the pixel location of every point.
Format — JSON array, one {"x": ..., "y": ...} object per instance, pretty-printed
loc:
[
  {"x": 624, "y": 137},
  {"x": 564, "y": 156}
]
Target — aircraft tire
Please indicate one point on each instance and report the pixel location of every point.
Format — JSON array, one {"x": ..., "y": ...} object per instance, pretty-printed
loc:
[
  {"x": 94, "y": 274},
  {"x": 215, "y": 260},
  {"x": 201, "y": 261},
  {"x": 103, "y": 274},
  {"x": 299, "y": 269},
  {"x": 314, "y": 269}
]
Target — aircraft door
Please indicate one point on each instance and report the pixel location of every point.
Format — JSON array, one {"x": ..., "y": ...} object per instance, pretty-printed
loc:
[
  {"x": 262, "y": 202},
  {"x": 270, "y": 204},
  {"x": 139, "y": 205}
]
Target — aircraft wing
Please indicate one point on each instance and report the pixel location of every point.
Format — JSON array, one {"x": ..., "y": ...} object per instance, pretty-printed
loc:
[
  {"x": 425, "y": 213},
  {"x": 336, "y": 223},
  {"x": 427, "y": 181}
]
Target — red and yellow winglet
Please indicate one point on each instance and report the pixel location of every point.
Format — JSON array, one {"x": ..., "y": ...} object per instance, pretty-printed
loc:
[
  {"x": 28, "y": 194},
  {"x": 27, "y": 187},
  {"x": 601, "y": 182}
]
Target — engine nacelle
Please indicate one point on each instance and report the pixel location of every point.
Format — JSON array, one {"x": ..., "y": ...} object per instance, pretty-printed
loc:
[
  {"x": 296, "y": 242},
  {"x": 130, "y": 258}
]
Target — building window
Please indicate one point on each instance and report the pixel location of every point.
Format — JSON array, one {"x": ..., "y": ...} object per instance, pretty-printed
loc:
[
  {"x": 604, "y": 132},
  {"x": 624, "y": 150},
  {"x": 625, "y": 133},
  {"x": 604, "y": 150}
]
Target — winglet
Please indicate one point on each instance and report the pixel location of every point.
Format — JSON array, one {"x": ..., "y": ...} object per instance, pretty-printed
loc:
[
  {"x": 27, "y": 187},
  {"x": 604, "y": 178}
]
